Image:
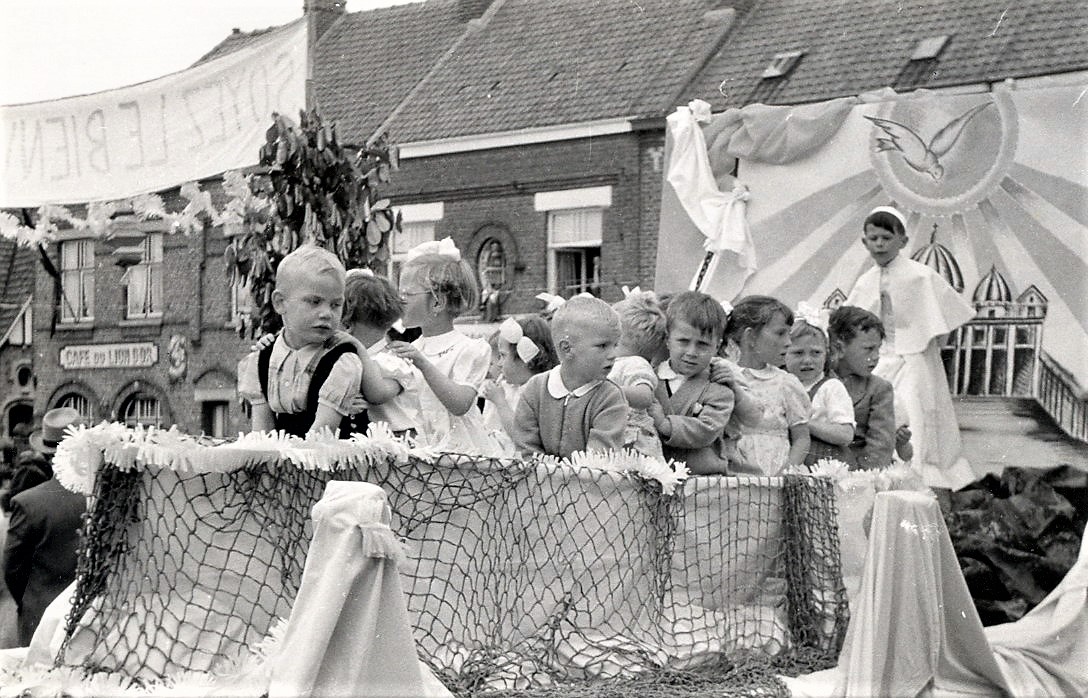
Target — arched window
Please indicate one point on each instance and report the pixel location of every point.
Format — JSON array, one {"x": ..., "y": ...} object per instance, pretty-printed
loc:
[
  {"x": 80, "y": 403},
  {"x": 141, "y": 409}
]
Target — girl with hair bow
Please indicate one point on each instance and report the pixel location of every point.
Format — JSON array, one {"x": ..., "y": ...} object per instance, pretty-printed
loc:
[
  {"x": 436, "y": 286},
  {"x": 831, "y": 423},
  {"x": 525, "y": 349}
]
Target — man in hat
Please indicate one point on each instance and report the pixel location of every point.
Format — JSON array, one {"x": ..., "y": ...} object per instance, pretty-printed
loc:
[
  {"x": 43, "y": 531},
  {"x": 34, "y": 466}
]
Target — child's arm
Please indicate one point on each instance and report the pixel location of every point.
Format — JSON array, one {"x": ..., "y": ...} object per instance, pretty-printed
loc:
[
  {"x": 800, "y": 442},
  {"x": 494, "y": 393},
  {"x": 838, "y": 434},
  {"x": 702, "y": 427},
  {"x": 880, "y": 436},
  {"x": 262, "y": 417},
  {"x": 639, "y": 396},
  {"x": 456, "y": 397},
  {"x": 609, "y": 419},
  {"x": 526, "y": 433},
  {"x": 747, "y": 409},
  {"x": 326, "y": 417}
]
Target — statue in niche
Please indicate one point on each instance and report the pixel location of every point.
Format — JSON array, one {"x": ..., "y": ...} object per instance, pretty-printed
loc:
[{"x": 491, "y": 268}]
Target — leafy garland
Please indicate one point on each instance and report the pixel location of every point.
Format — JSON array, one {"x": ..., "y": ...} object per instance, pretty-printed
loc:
[{"x": 312, "y": 190}]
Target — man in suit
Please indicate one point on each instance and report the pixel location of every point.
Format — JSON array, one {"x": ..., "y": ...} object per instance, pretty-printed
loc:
[{"x": 43, "y": 532}]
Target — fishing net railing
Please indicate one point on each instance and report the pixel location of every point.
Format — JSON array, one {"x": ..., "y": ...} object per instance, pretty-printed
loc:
[{"x": 526, "y": 578}]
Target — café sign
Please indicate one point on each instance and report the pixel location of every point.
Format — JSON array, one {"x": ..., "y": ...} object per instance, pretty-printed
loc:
[{"x": 133, "y": 355}]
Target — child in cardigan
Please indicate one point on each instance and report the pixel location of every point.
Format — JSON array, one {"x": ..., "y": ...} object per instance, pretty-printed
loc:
[
  {"x": 390, "y": 386},
  {"x": 305, "y": 380},
  {"x": 855, "y": 336},
  {"x": 641, "y": 347},
  {"x": 691, "y": 412},
  {"x": 436, "y": 286},
  {"x": 831, "y": 424},
  {"x": 525, "y": 349},
  {"x": 574, "y": 407}
]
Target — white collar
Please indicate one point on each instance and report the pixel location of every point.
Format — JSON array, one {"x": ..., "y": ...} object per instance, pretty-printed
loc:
[
  {"x": 666, "y": 372},
  {"x": 438, "y": 344},
  {"x": 558, "y": 389}
]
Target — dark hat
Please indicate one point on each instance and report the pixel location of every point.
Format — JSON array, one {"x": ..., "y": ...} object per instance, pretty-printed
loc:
[{"x": 54, "y": 423}]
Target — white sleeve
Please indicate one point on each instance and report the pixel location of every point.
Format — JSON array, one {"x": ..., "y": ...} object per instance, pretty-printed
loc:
[{"x": 833, "y": 404}]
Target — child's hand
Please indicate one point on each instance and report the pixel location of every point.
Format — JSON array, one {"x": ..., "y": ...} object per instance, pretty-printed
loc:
[
  {"x": 902, "y": 436},
  {"x": 494, "y": 392},
  {"x": 723, "y": 374},
  {"x": 357, "y": 405},
  {"x": 263, "y": 342},
  {"x": 406, "y": 351}
]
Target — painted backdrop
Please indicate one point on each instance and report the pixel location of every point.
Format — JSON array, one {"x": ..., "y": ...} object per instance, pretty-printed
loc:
[{"x": 994, "y": 185}]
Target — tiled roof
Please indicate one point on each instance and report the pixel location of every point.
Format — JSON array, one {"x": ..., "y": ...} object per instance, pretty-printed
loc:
[
  {"x": 368, "y": 62},
  {"x": 561, "y": 61},
  {"x": 237, "y": 39},
  {"x": 16, "y": 281},
  {"x": 858, "y": 45}
]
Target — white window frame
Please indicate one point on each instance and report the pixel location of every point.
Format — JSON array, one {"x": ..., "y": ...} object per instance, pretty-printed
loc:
[
  {"x": 418, "y": 224},
  {"x": 141, "y": 408},
  {"x": 575, "y": 221},
  {"x": 241, "y": 300},
  {"x": 146, "y": 302},
  {"x": 81, "y": 403},
  {"x": 77, "y": 262}
]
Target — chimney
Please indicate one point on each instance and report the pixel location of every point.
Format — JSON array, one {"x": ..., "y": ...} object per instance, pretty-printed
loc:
[
  {"x": 321, "y": 15},
  {"x": 471, "y": 9}
]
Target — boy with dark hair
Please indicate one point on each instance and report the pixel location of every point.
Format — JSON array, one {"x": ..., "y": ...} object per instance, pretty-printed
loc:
[
  {"x": 691, "y": 412},
  {"x": 855, "y": 337}
]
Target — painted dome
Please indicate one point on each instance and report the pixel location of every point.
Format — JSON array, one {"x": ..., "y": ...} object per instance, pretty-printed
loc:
[
  {"x": 993, "y": 288},
  {"x": 937, "y": 256}
]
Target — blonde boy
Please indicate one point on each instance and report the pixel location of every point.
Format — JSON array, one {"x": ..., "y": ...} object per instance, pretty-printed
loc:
[
  {"x": 574, "y": 407},
  {"x": 305, "y": 380}
]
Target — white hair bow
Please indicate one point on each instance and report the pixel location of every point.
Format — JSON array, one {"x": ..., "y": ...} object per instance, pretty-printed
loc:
[
  {"x": 510, "y": 331},
  {"x": 727, "y": 307},
  {"x": 442, "y": 248},
  {"x": 628, "y": 292},
  {"x": 812, "y": 315},
  {"x": 359, "y": 271},
  {"x": 551, "y": 302}
]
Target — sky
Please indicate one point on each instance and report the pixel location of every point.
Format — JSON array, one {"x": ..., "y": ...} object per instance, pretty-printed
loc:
[{"x": 61, "y": 48}]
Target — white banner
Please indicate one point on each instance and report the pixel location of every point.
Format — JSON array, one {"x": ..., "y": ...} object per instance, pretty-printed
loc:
[{"x": 155, "y": 135}]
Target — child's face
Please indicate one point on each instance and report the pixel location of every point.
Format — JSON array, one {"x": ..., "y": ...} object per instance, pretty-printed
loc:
[
  {"x": 310, "y": 306},
  {"x": 589, "y": 352},
  {"x": 883, "y": 245},
  {"x": 691, "y": 349},
  {"x": 514, "y": 370},
  {"x": 771, "y": 341},
  {"x": 805, "y": 357},
  {"x": 418, "y": 301},
  {"x": 860, "y": 354}
]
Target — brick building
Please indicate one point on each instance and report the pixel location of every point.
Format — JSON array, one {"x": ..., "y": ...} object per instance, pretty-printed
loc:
[{"x": 17, "y": 379}]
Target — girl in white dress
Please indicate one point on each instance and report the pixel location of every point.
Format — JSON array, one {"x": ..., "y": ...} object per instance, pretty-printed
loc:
[
  {"x": 436, "y": 286},
  {"x": 760, "y": 326}
]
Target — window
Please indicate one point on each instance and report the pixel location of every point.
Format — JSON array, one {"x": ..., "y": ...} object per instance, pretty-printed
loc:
[
  {"x": 80, "y": 404},
  {"x": 241, "y": 301},
  {"x": 21, "y": 330},
  {"x": 575, "y": 230},
  {"x": 77, "y": 281},
  {"x": 213, "y": 418},
  {"x": 143, "y": 410},
  {"x": 143, "y": 287},
  {"x": 418, "y": 224}
]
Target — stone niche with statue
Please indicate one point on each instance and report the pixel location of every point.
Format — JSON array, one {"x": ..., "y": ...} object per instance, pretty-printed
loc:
[{"x": 494, "y": 256}]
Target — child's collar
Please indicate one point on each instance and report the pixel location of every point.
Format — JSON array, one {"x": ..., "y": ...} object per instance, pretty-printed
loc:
[{"x": 559, "y": 390}]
